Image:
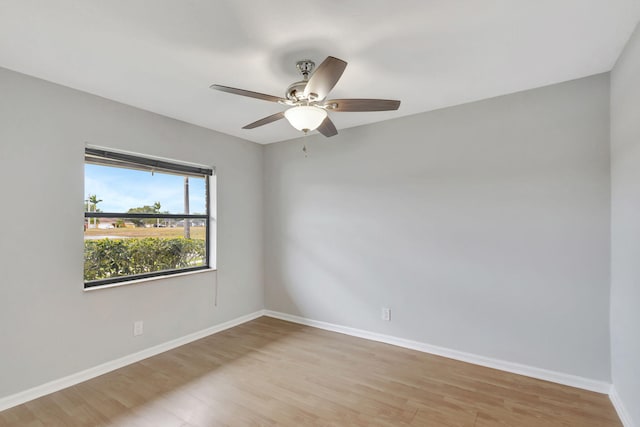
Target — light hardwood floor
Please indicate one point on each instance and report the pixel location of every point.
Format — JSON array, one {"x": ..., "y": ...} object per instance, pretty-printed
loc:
[{"x": 269, "y": 372}]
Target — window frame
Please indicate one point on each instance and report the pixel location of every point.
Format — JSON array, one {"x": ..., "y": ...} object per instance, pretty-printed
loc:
[{"x": 116, "y": 159}]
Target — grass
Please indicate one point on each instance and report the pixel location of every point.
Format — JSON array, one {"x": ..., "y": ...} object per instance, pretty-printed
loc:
[{"x": 142, "y": 232}]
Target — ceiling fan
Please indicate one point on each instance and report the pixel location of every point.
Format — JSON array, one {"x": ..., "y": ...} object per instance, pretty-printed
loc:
[{"x": 307, "y": 98}]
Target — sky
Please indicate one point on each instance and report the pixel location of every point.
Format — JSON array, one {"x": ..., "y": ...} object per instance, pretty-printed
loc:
[{"x": 121, "y": 189}]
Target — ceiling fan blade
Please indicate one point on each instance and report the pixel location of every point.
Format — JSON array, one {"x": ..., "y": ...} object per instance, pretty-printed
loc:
[
  {"x": 362, "y": 104},
  {"x": 327, "y": 128},
  {"x": 265, "y": 120},
  {"x": 325, "y": 77},
  {"x": 248, "y": 93}
]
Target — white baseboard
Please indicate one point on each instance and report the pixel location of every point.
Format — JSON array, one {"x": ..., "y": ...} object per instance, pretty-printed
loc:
[
  {"x": 543, "y": 374},
  {"x": 516, "y": 368},
  {"x": 620, "y": 408},
  {"x": 59, "y": 384}
]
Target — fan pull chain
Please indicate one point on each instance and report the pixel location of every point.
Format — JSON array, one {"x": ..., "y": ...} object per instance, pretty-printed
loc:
[{"x": 304, "y": 143}]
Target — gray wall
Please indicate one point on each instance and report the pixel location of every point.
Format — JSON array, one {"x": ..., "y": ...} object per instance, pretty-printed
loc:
[
  {"x": 625, "y": 226},
  {"x": 485, "y": 227},
  {"x": 49, "y": 327}
]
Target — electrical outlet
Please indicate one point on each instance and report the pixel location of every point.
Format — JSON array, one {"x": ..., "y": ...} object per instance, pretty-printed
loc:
[
  {"x": 386, "y": 314},
  {"x": 138, "y": 328}
]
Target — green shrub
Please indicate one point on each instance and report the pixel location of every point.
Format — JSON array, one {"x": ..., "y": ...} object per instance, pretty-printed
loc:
[{"x": 106, "y": 258}]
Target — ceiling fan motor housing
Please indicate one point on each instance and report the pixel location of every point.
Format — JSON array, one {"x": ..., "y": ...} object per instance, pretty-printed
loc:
[{"x": 295, "y": 90}]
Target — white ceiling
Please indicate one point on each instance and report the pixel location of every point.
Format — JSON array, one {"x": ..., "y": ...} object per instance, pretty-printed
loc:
[{"x": 162, "y": 55}]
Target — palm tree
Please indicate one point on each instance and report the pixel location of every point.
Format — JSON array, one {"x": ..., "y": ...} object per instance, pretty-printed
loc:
[{"x": 93, "y": 200}]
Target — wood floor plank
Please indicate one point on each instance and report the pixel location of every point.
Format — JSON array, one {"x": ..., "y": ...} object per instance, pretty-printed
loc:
[{"x": 273, "y": 373}]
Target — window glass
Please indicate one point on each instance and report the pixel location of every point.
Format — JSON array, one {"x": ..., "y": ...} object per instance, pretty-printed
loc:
[{"x": 143, "y": 223}]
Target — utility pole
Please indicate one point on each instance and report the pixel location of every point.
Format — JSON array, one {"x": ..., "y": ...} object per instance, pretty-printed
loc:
[
  {"x": 187, "y": 224},
  {"x": 87, "y": 221}
]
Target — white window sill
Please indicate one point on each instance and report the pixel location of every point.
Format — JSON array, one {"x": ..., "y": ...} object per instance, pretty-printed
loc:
[{"x": 149, "y": 279}]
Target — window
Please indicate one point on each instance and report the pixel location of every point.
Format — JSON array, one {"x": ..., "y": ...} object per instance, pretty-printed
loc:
[{"x": 144, "y": 217}]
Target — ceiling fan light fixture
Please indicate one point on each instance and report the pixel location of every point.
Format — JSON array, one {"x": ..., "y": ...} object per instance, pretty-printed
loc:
[
  {"x": 305, "y": 117},
  {"x": 307, "y": 99}
]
